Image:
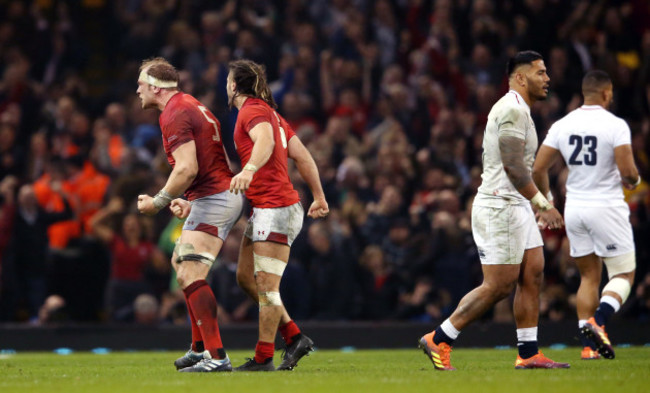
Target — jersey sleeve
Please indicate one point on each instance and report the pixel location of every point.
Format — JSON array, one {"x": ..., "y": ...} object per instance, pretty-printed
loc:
[
  {"x": 623, "y": 135},
  {"x": 253, "y": 116},
  {"x": 179, "y": 130},
  {"x": 551, "y": 138},
  {"x": 512, "y": 122}
]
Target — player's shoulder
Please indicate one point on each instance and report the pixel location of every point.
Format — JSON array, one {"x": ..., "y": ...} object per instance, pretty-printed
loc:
[{"x": 254, "y": 108}]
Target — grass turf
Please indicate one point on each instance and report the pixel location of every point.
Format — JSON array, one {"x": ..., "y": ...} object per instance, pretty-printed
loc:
[{"x": 395, "y": 371}]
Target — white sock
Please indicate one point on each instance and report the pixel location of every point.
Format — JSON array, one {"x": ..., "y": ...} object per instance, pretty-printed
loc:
[
  {"x": 527, "y": 334},
  {"x": 582, "y": 323},
  {"x": 611, "y": 301},
  {"x": 449, "y": 329}
]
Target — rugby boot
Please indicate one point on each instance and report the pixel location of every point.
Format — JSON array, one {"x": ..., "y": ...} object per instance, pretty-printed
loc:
[
  {"x": 538, "y": 361},
  {"x": 597, "y": 334},
  {"x": 189, "y": 359},
  {"x": 209, "y": 365},
  {"x": 294, "y": 352},
  {"x": 440, "y": 354},
  {"x": 252, "y": 365},
  {"x": 589, "y": 354}
]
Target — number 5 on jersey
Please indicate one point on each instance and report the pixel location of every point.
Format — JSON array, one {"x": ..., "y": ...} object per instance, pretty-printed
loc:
[{"x": 216, "y": 137}]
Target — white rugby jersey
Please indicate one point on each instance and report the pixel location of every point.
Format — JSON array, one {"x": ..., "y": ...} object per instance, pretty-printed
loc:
[
  {"x": 510, "y": 116},
  {"x": 586, "y": 137}
]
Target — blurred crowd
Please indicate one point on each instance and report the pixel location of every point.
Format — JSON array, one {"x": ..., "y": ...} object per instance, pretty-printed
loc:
[{"x": 390, "y": 96}]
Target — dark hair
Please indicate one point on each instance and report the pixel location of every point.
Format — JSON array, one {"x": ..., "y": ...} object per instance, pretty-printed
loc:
[
  {"x": 250, "y": 78},
  {"x": 160, "y": 68},
  {"x": 521, "y": 58},
  {"x": 594, "y": 81}
]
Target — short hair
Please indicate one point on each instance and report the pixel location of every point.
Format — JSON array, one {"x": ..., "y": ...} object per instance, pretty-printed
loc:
[
  {"x": 521, "y": 58},
  {"x": 250, "y": 78},
  {"x": 160, "y": 68},
  {"x": 595, "y": 81}
]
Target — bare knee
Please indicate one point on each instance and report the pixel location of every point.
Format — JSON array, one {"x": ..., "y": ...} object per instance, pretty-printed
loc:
[{"x": 498, "y": 291}]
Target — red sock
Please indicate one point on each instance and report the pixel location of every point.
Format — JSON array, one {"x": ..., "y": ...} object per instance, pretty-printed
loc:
[
  {"x": 288, "y": 331},
  {"x": 263, "y": 351},
  {"x": 197, "y": 341},
  {"x": 204, "y": 308}
]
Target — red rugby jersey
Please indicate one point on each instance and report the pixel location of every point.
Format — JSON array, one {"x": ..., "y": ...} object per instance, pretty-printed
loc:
[
  {"x": 185, "y": 119},
  {"x": 271, "y": 186}
]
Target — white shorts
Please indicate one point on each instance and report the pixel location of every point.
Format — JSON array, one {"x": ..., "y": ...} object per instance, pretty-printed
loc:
[
  {"x": 605, "y": 231},
  {"x": 503, "y": 234},
  {"x": 279, "y": 224},
  {"x": 215, "y": 214}
]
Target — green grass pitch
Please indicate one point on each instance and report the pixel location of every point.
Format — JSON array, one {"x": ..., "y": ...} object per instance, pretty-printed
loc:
[{"x": 395, "y": 371}]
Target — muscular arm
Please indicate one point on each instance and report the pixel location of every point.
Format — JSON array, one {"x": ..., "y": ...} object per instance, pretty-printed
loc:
[
  {"x": 263, "y": 144},
  {"x": 546, "y": 156},
  {"x": 306, "y": 166},
  {"x": 512, "y": 157},
  {"x": 625, "y": 163},
  {"x": 185, "y": 169}
]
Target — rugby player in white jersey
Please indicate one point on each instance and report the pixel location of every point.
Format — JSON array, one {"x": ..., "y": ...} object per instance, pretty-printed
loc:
[
  {"x": 503, "y": 223},
  {"x": 596, "y": 147}
]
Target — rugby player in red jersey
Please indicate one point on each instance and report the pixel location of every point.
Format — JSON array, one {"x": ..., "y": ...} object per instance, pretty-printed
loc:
[
  {"x": 193, "y": 144},
  {"x": 264, "y": 142}
]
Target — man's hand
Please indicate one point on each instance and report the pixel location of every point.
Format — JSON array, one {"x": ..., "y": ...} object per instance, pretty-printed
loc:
[
  {"x": 241, "y": 182},
  {"x": 145, "y": 205},
  {"x": 180, "y": 208},
  {"x": 551, "y": 219},
  {"x": 318, "y": 209}
]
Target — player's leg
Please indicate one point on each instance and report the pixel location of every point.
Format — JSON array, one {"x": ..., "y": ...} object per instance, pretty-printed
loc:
[
  {"x": 209, "y": 223},
  {"x": 526, "y": 301},
  {"x": 614, "y": 242},
  {"x": 246, "y": 281},
  {"x": 591, "y": 269}
]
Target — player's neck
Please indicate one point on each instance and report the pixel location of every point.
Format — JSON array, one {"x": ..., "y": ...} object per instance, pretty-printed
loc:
[
  {"x": 165, "y": 97},
  {"x": 593, "y": 102},
  {"x": 239, "y": 101}
]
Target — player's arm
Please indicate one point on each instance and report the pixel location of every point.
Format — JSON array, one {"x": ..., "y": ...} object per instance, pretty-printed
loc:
[
  {"x": 625, "y": 163},
  {"x": 185, "y": 170},
  {"x": 309, "y": 172},
  {"x": 263, "y": 145},
  {"x": 512, "y": 158},
  {"x": 546, "y": 157}
]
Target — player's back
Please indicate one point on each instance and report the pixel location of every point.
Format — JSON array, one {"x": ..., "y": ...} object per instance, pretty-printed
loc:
[
  {"x": 185, "y": 119},
  {"x": 586, "y": 138},
  {"x": 271, "y": 185},
  {"x": 510, "y": 116}
]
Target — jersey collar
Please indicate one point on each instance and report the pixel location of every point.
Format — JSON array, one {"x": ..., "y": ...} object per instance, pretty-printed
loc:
[
  {"x": 591, "y": 107},
  {"x": 520, "y": 99}
]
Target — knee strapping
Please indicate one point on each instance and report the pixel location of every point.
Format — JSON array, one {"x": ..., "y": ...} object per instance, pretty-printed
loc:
[
  {"x": 620, "y": 264},
  {"x": 186, "y": 252},
  {"x": 268, "y": 265},
  {"x": 269, "y": 299},
  {"x": 619, "y": 286}
]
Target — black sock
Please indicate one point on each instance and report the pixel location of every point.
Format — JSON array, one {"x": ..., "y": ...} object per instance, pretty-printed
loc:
[
  {"x": 199, "y": 346},
  {"x": 604, "y": 312},
  {"x": 441, "y": 337},
  {"x": 527, "y": 349}
]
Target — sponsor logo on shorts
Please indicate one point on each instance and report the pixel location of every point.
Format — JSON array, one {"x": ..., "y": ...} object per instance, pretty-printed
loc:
[
  {"x": 260, "y": 233},
  {"x": 481, "y": 253},
  {"x": 611, "y": 247}
]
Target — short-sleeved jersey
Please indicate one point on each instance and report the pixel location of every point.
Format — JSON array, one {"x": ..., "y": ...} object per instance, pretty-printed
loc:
[
  {"x": 586, "y": 137},
  {"x": 185, "y": 119},
  {"x": 271, "y": 186},
  {"x": 510, "y": 116}
]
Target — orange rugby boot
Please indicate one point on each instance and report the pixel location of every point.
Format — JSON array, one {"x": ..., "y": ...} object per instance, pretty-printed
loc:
[
  {"x": 597, "y": 334},
  {"x": 589, "y": 354},
  {"x": 538, "y": 361},
  {"x": 440, "y": 355}
]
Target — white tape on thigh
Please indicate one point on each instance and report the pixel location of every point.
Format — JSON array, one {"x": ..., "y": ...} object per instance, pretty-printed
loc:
[
  {"x": 268, "y": 265},
  {"x": 620, "y": 264},
  {"x": 269, "y": 299},
  {"x": 619, "y": 286}
]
